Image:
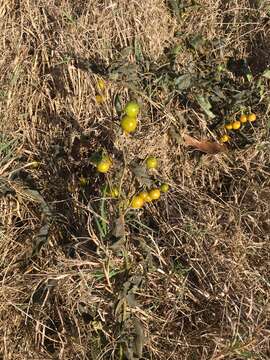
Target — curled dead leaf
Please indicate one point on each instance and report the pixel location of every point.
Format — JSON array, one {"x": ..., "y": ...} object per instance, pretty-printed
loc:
[{"x": 208, "y": 147}]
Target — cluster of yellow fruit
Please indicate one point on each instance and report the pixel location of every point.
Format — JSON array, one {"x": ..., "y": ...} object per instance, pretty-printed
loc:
[
  {"x": 144, "y": 197},
  {"x": 236, "y": 125},
  {"x": 129, "y": 121}
]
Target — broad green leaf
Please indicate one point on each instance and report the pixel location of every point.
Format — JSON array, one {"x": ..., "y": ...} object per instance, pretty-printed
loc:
[
  {"x": 206, "y": 106},
  {"x": 266, "y": 74}
]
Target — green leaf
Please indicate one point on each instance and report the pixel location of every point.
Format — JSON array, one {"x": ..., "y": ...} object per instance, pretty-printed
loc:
[
  {"x": 96, "y": 158},
  {"x": 117, "y": 104},
  {"x": 183, "y": 82},
  {"x": 266, "y": 74},
  {"x": 206, "y": 106},
  {"x": 138, "y": 51}
]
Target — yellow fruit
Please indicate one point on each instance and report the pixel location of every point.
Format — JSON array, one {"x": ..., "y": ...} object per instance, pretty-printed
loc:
[
  {"x": 137, "y": 202},
  {"x": 224, "y": 138},
  {"x": 101, "y": 84},
  {"x": 132, "y": 109},
  {"x": 104, "y": 165},
  {"x": 148, "y": 199},
  {"x": 252, "y": 117},
  {"x": 100, "y": 99},
  {"x": 151, "y": 162},
  {"x": 236, "y": 125},
  {"x": 243, "y": 118},
  {"x": 164, "y": 188},
  {"x": 154, "y": 194},
  {"x": 129, "y": 124},
  {"x": 35, "y": 164},
  {"x": 114, "y": 192},
  {"x": 228, "y": 126},
  {"x": 144, "y": 195}
]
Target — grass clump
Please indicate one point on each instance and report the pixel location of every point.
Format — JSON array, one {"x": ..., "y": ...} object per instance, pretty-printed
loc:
[{"x": 83, "y": 276}]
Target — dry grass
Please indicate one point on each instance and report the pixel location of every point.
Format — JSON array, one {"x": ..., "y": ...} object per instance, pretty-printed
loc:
[{"x": 194, "y": 270}]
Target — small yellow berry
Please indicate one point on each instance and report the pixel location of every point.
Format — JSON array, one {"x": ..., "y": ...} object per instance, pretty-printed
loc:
[
  {"x": 35, "y": 164},
  {"x": 154, "y": 194},
  {"x": 101, "y": 84},
  {"x": 128, "y": 124},
  {"x": 252, "y": 117},
  {"x": 236, "y": 125},
  {"x": 137, "y": 202},
  {"x": 100, "y": 99},
  {"x": 104, "y": 165},
  {"x": 151, "y": 162},
  {"x": 144, "y": 195},
  {"x": 228, "y": 126},
  {"x": 114, "y": 192},
  {"x": 132, "y": 109},
  {"x": 243, "y": 118},
  {"x": 224, "y": 138},
  {"x": 164, "y": 188}
]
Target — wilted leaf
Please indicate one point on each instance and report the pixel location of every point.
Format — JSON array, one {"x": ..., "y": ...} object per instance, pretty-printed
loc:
[
  {"x": 139, "y": 338},
  {"x": 119, "y": 227},
  {"x": 204, "y": 145},
  {"x": 197, "y": 42},
  {"x": 141, "y": 174},
  {"x": 205, "y": 105},
  {"x": 183, "y": 82},
  {"x": 266, "y": 74}
]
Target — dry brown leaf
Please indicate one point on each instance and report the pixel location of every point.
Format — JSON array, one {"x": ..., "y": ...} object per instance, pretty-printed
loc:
[{"x": 205, "y": 146}]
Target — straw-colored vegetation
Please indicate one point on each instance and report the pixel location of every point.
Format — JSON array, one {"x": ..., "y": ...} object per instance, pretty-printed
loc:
[{"x": 89, "y": 271}]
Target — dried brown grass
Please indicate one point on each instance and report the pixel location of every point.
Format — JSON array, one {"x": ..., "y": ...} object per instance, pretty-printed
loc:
[{"x": 201, "y": 254}]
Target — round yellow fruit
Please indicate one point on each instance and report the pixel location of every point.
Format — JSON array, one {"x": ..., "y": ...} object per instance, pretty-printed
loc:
[
  {"x": 129, "y": 124},
  {"x": 100, "y": 99},
  {"x": 132, "y": 109},
  {"x": 144, "y": 195},
  {"x": 228, "y": 126},
  {"x": 243, "y": 118},
  {"x": 154, "y": 194},
  {"x": 104, "y": 165},
  {"x": 101, "y": 84},
  {"x": 151, "y": 162},
  {"x": 164, "y": 188},
  {"x": 236, "y": 125},
  {"x": 114, "y": 192},
  {"x": 252, "y": 117},
  {"x": 224, "y": 138},
  {"x": 137, "y": 202}
]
